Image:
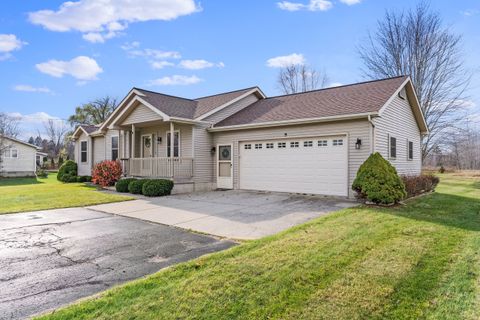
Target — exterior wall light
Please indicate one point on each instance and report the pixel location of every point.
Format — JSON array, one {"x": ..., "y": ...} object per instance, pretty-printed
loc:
[{"x": 358, "y": 144}]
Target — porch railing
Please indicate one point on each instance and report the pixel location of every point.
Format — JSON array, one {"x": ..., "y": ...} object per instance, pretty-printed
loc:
[{"x": 159, "y": 167}]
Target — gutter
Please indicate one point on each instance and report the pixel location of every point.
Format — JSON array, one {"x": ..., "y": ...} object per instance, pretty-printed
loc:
[{"x": 294, "y": 122}]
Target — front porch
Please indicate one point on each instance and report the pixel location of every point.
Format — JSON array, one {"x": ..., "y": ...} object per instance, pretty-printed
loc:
[{"x": 175, "y": 168}]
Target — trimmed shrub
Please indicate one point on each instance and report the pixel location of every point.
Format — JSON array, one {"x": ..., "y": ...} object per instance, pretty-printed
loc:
[
  {"x": 122, "y": 184},
  {"x": 377, "y": 181},
  {"x": 84, "y": 178},
  {"x": 41, "y": 173},
  {"x": 68, "y": 168},
  {"x": 135, "y": 186},
  {"x": 106, "y": 173},
  {"x": 157, "y": 187},
  {"x": 415, "y": 185},
  {"x": 68, "y": 178}
]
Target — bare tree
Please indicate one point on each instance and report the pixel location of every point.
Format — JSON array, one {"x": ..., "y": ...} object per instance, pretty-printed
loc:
[
  {"x": 300, "y": 78},
  {"x": 94, "y": 112},
  {"x": 8, "y": 128},
  {"x": 55, "y": 132},
  {"x": 416, "y": 43}
]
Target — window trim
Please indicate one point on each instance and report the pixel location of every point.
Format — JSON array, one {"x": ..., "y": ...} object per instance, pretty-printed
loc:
[
  {"x": 82, "y": 151},
  {"x": 390, "y": 147},
  {"x": 168, "y": 141},
  {"x": 409, "y": 150},
  {"x": 118, "y": 147}
]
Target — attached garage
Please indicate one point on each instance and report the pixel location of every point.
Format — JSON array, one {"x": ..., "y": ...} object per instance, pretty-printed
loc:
[{"x": 313, "y": 165}]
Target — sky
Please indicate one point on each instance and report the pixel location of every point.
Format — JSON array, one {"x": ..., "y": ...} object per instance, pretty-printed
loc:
[{"x": 56, "y": 55}]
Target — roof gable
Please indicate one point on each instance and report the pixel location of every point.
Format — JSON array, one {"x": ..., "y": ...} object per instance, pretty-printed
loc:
[{"x": 20, "y": 141}]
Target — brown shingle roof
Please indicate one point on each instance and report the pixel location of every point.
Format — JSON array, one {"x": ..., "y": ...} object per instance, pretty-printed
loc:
[
  {"x": 188, "y": 108},
  {"x": 207, "y": 104},
  {"x": 89, "y": 128},
  {"x": 345, "y": 100}
]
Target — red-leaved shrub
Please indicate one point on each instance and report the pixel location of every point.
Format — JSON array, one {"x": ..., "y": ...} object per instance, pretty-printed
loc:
[
  {"x": 415, "y": 185},
  {"x": 106, "y": 173}
]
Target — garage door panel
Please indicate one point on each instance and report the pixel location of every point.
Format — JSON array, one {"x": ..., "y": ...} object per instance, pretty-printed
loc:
[{"x": 305, "y": 169}]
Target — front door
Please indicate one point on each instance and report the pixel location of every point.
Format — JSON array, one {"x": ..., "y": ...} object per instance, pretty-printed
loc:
[
  {"x": 147, "y": 146},
  {"x": 224, "y": 167}
]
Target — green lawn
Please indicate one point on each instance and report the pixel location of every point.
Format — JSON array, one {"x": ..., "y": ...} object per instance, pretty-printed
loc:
[
  {"x": 419, "y": 261},
  {"x": 28, "y": 194}
]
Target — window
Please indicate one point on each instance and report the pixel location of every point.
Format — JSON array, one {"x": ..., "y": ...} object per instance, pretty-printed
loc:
[
  {"x": 248, "y": 146},
  {"x": 294, "y": 144},
  {"x": 176, "y": 144},
  {"x": 402, "y": 94},
  {"x": 308, "y": 143},
  {"x": 322, "y": 143},
  {"x": 269, "y": 145},
  {"x": 83, "y": 151},
  {"x": 10, "y": 153},
  {"x": 281, "y": 145},
  {"x": 410, "y": 150},
  {"x": 393, "y": 147},
  {"x": 114, "y": 148},
  {"x": 258, "y": 146},
  {"x": 337, "y": 142},
  {"x": 14, "y": 153}
]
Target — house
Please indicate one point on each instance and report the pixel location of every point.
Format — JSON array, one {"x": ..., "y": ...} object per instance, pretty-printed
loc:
[
  {"x": 40, "y": 157},
  {"x": 17, "y": 158},
  {"x": 312, "y": 142}
]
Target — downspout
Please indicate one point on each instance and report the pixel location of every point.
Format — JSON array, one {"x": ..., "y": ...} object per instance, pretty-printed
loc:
[{"x": 372, "y": 134}]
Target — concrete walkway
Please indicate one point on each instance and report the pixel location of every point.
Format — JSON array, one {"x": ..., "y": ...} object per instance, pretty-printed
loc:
[{"x": 230, "y": 214}]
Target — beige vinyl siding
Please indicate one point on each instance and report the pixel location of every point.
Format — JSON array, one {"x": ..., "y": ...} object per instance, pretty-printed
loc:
[
  {"x": 141, "y": 114},
  {"x": 353, "y": 129},
  {"x": 24, "y": 163},
  {"x": 84, "y": 168},
  {"x": 204, "y": 160},
  {"x": 397, "y": 120},
  {"x": 160, "y": 130},
  {"x": 231, "y": 109},
  {"x": 98, "y": 149}
]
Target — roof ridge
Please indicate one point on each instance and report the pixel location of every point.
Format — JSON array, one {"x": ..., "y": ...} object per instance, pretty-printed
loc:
[
  {"x": 337, "y": 87},
  {"x": 219, "y": 94},
  {"x": 164, "y": 94}
]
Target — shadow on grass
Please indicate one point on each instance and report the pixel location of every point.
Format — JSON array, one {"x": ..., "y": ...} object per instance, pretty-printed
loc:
[
  {"x": 4, "y": 182},
  {"x": 444, "y": 209}
]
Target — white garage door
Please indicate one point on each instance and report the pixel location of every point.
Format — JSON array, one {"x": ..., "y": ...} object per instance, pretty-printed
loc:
[{"x": 308, "y": 165}]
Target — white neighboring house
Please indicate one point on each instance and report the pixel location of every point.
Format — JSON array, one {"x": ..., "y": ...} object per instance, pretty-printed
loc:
[
  {"x": 311, "y": 142},
  {"x": 18, "y": 158}
]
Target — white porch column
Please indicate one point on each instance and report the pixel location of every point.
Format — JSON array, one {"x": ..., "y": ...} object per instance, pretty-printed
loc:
[
  {"x": 172, "y": 144},
  {"x": 133, "y": 142}
]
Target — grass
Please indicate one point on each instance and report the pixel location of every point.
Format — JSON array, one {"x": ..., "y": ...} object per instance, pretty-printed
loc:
[
  {"x": 29, "y": 194},
  {"x": 418, "y": 261}
]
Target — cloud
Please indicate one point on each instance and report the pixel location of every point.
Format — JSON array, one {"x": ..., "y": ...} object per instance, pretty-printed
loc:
[
  {"x": 313, "y": 5},
  {"x": 100, "y": 20},
  {"x": 283, "y": 61},
  {"x": 175, "y": 80},
  {"x": 29, "y": 88},
  {"x": 161, "y": 64},
  {"x": 199, "y": 64},
  {"x": 33, "y": 118},
  {"x": 335, "y": 84},
  {"x": 470, "y": 12},
  {"x": 9, "y": 43},
  {"x": 81, "y": 68},
  {"x": 350, "y": 2}
]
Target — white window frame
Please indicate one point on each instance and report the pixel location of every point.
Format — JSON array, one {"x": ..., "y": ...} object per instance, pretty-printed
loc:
[
  {"x": 16, "y": 153},
  {"x": 269, "y": 145},
  {"x": 168, "y": 141},
  {"x": 322, "y": 143},
  {"x": 118, "y": 147},
  {"x": 337, "y": 142},
  {"x": 258, "y": 146},
  {"x": 308, "y": 143},
  {"x": 294, "y": 144},
  {"x": 281, "y": 145},
  {"x": 86, "y": 151},
  {"x": 247, "y": 146}
]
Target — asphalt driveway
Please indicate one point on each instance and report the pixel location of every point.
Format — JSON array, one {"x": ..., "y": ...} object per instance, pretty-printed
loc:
[
  {"x": 232, "y": 214},
  {"x": 51, "y": 258}
]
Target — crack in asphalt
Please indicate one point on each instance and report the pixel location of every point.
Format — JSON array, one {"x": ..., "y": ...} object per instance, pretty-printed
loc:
[{"x": 61, "y": 223}]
